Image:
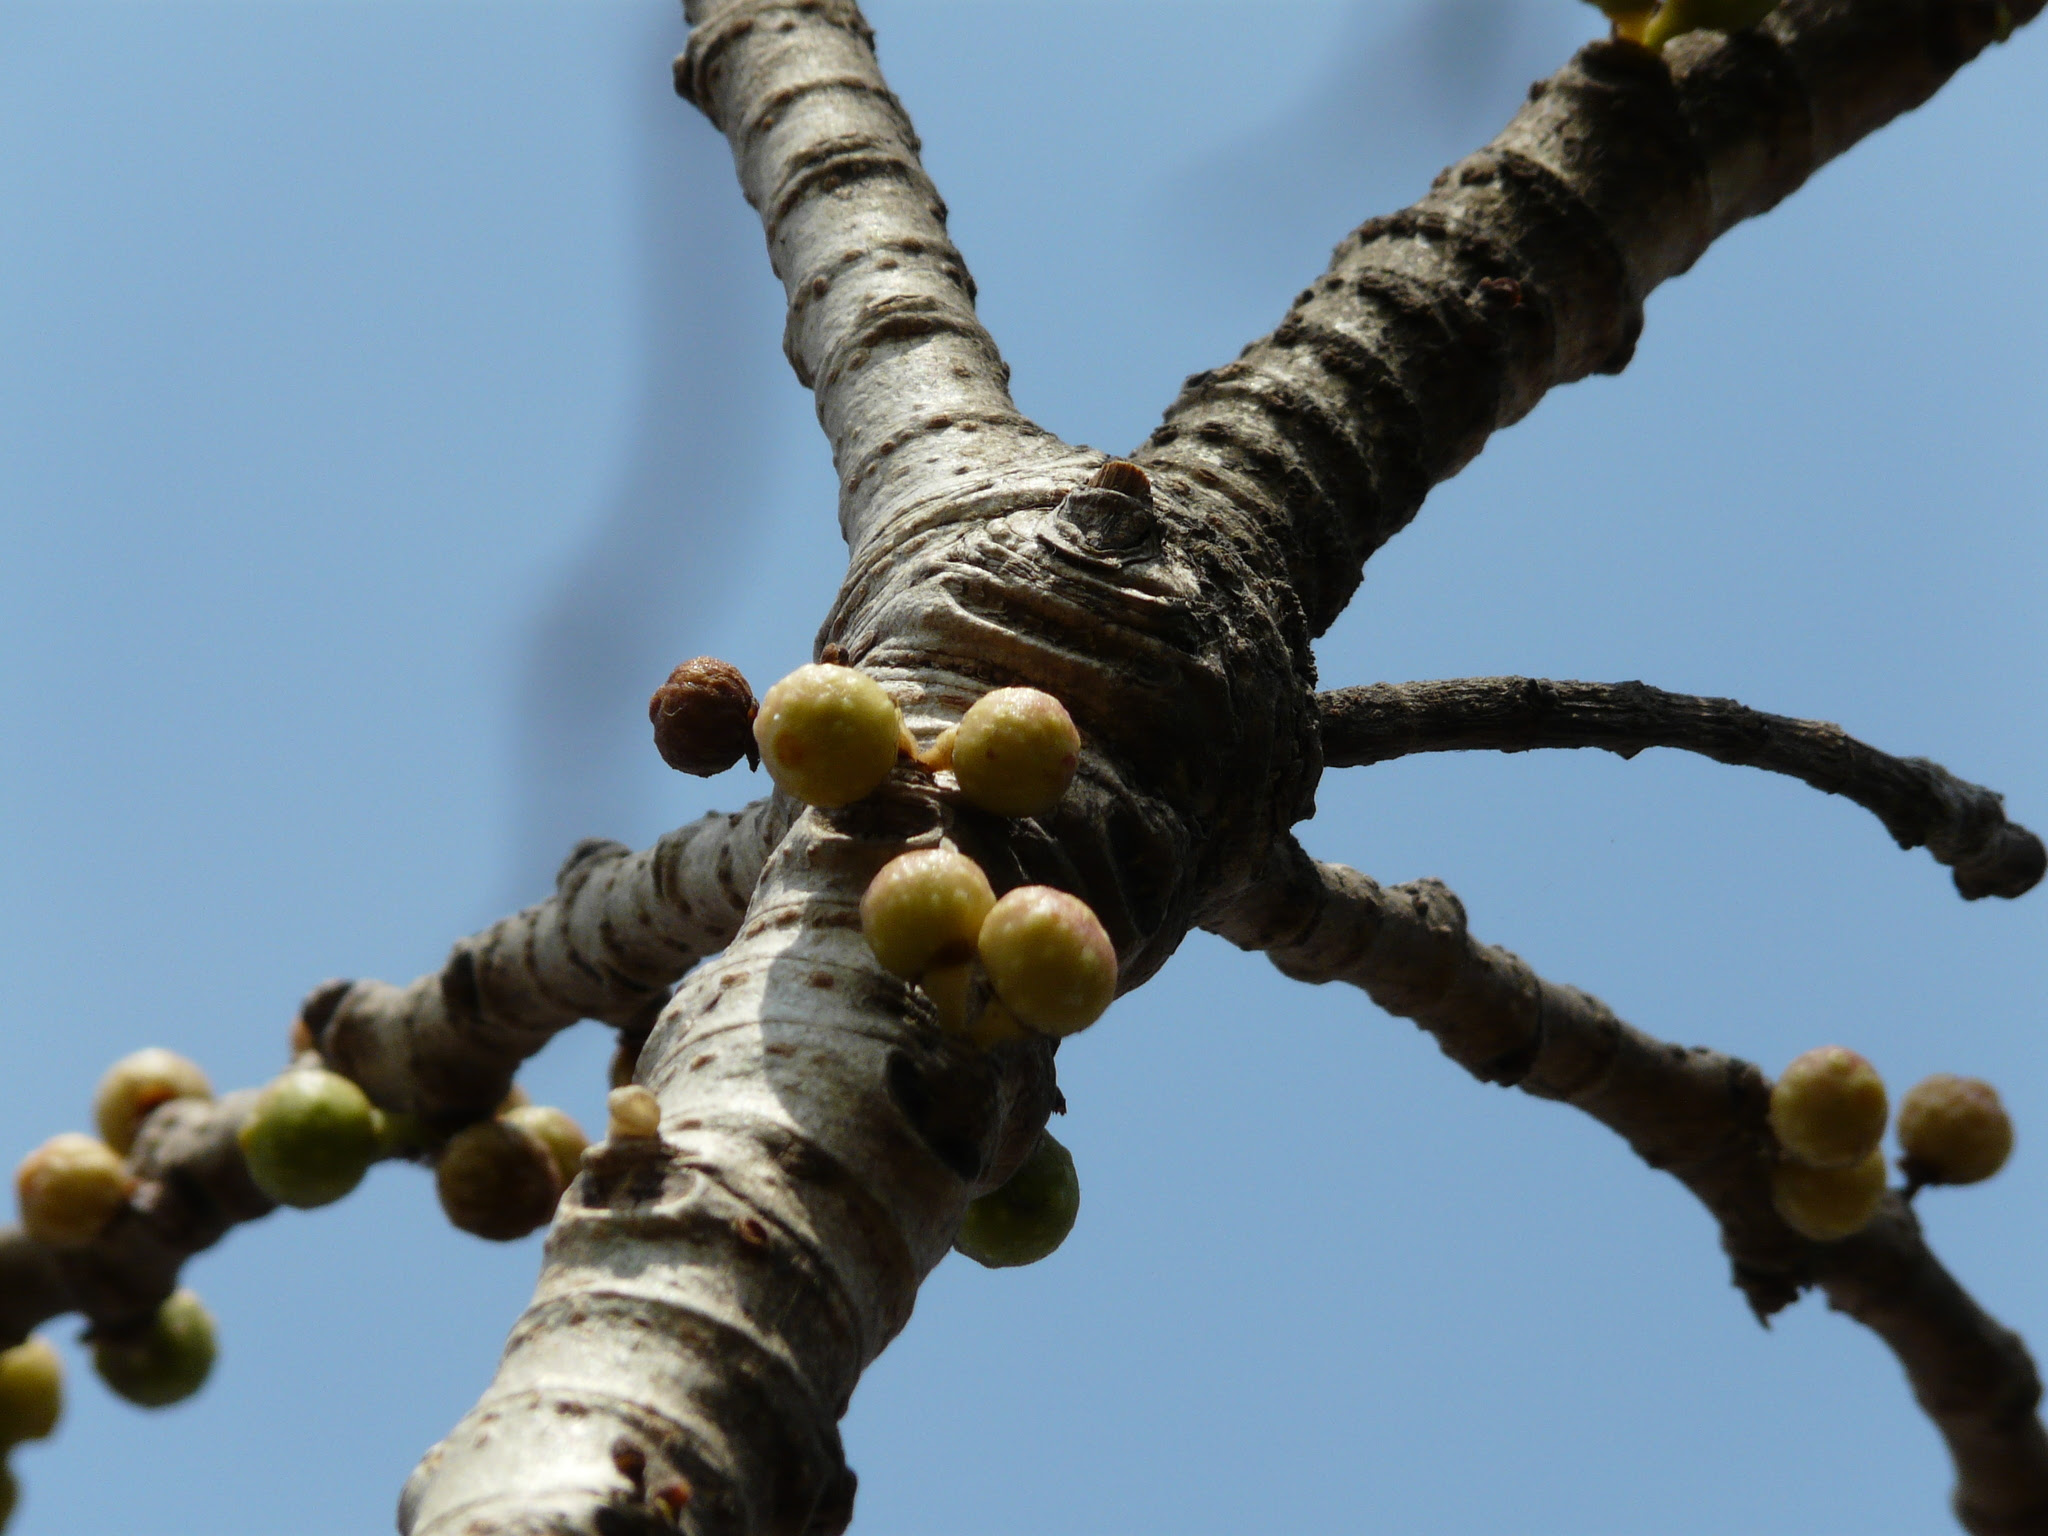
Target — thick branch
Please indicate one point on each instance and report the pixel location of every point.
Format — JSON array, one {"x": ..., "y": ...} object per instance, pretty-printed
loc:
[
  {"x": 618, "y": 932},
  {"x": 710, "y": 1298},
  {"x": 1920, "y": 803},
  {"x": 1695, "y": 1113},
  {"x": 1527, "y": 265},
  {"x": 881, "y": 308}
]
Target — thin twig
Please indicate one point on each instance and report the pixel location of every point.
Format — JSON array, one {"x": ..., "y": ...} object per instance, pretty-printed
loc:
[
  {"x": 1920, "y": 803},
  {"x": 1698, "y": 1115}
]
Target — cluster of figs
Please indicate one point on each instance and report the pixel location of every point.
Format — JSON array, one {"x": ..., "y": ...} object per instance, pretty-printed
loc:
[
  {"x": 1034, "y": 961},
  {"x": 1828, "y": 1112},
  {"x": 995, "y": 969},
  {"x": 308, "y": 1139}
]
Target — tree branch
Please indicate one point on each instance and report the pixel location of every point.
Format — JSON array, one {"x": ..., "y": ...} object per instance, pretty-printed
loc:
[
  {"x": 1695, "y": 1113},
  {"x": 881, "y": 308},
  {"x": 193, "y": 1187},
  {"x": 1527, "y": 264},
  {"x": 1920, "y": 803},
  {"x": 619, "y": 930},
  {"x": 711, "y": 1297}
]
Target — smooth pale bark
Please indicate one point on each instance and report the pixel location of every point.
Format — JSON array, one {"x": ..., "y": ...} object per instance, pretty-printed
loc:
[{"x": 618, "y": 932}]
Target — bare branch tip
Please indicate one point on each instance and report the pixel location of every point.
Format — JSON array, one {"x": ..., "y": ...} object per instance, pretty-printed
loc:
[{"x": 2010, "y": 867}]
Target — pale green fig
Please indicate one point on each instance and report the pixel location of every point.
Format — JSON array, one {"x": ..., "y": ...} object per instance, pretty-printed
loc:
[
  {"x": 1953, "y": 1130},
  {"x": 1015, "y": 752},
  {"x": 1828, "y": 1108},
  {"x": 136, "y": 1084},
  {"x": 1827, "y": 1204},
  {"x": 828, "y": 734},
  {"x": 1048, "y": 959},
  {"x": 925, "y": 909},
  {"x": 70, "y": 1187},
  {"x": 31, "y": 1392},
  {"x": 310, "y": 1138}
]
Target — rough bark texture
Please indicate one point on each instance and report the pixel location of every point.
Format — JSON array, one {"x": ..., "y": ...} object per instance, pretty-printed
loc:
[
  {"x": 710, "y": 1298},
  {"x": 1698, "y": 1115},
  {"x": 1920, "y": 803},
  {"x": 1527, "y": 265}
]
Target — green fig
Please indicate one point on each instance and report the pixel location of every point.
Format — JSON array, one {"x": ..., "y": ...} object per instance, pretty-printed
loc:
[
  {"x": 164, "y": 1362},
  {"x": 1029, "y": 1216},
  {"x": 497, "y": 1179},
  {"x": 310, "y": 1138}
]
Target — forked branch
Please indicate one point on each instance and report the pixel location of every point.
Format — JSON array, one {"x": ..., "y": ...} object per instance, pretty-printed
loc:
[
  {"x": 709, "y": 1305},
  {"x": 1920, "y": 803},
  {"x": 1695, "y": 1113}
]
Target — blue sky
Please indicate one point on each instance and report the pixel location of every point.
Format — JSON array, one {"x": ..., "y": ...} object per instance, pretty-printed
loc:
[{"x": 390, "y": 392}]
